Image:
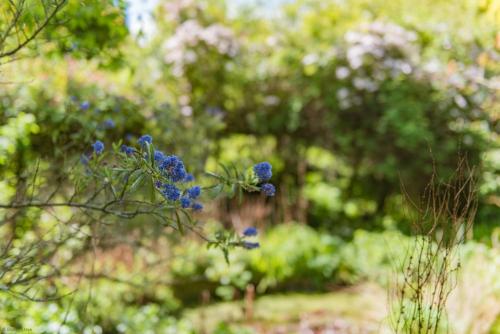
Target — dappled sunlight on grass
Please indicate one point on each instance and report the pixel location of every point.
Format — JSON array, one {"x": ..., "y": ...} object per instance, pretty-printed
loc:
[{"x": 359, "y": 309}]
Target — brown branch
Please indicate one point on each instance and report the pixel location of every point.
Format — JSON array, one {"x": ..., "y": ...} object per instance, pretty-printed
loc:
[{"x": 34, "y": 34}]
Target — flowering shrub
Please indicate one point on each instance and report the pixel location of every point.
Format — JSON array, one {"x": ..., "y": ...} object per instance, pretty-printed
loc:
[
  {"x": 389, "y": 102},
  {"x": 381, "y": 51},
  {"x": 180, "y": 49},
  {"x": 374, "y": 53},
  {"x": 174, "y": 199}
]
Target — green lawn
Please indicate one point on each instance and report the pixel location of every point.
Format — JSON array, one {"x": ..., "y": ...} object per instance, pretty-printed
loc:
[{"x": 360, "y": 309}]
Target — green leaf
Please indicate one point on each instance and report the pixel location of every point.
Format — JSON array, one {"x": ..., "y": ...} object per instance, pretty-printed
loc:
[
  {"x": 151, "y": 154},
  {"x": 137, "y": 182},
  {"x": 226, "y": 170},
  {"x": 152, "y": 190},
  {"x": 179, "y": 223}
]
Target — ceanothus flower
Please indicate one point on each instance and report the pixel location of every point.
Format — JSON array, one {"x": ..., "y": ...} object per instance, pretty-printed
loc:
[
  {"x": 250, "y": 245},
  {"x": 159, "y": 156},
  {"x": 194, "y": 192},
  {"x": 263, "y": 171},
  {"x": 145, "y": 139},
  {"x": 85, "y": 105},
  {"x": 173, "y": 168},
  {"x": 185, "y": 202},
  {"x": 189, "y": 178},
  {"x": 197, "y": 206},
  {"x": 268, "y": 189},
  {"x": 109, "y": 123},
  {"x": 127, "y": 149},
  {"x": 171, "y": 192},
  {"x": 250, "y": 232},
  {"x": 98, "y": 147}
]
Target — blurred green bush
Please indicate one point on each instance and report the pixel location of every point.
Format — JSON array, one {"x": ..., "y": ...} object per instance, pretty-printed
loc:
[{"x": 292, "y": 257}]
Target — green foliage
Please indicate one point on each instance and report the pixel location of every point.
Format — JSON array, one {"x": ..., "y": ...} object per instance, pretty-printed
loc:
[
  {"x": 119, "y": 312},
  {"x": 372, "y": 256},
  {"x": 291, "y": 256},
  {"x": 321, "y": 261},
  {"x": 347, "y": 100},
  {"x": 297, "y": 256},
  {"x": 97, "y": 28}
]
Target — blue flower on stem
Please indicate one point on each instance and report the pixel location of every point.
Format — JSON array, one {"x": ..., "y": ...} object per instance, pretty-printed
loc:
[
  {"x": 85, "y": 105},
  {"x": 263, "y": 171},
  {"x": 109, "y": 124},
  {"x": 185, "y": 202},
  {"x": 189, "y": 178},
  {"x": 197, "y": 207},
  {"x": 98, "y": 147},
  {"x": 171, "y": 192},
  {"x": 145, "y": 139},
  {"x": 127, "y": 149},
  {"x": 250, "y": 245},
  {"x": 173, "y": 168},
  {"x": 250, "y": 232},
  {"x": 194, "y": 192},
  {"x": 268, "y": 189},
  {"x": 159, "y": 156}
]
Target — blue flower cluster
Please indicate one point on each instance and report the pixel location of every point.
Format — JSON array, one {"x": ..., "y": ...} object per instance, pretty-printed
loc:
[
  {"x": 264, "y": 171},
  {"x": 197, "y": 206},
  {"x": 268, "y": 189},
  {"x": 172, "y": 169},
  {"x": 85, "y": 105},
  {"x": 145, "y": 139},
  {"x": 128, "y": 150},
  {"x": 109, "y": 124},
  {"x": 250, "y": 245},
  {"x": 171, "y": 192},
  {"x": 194, "y": 192},
  {"x": 159, "y": 156},
  {"x": 98, "y": 147},
  {"x": 250, "y": 232},
  {"x": 185, "y": 202}
]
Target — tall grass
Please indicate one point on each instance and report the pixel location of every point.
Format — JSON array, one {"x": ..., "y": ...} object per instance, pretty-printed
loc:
[{"x": 442, "y": 219}]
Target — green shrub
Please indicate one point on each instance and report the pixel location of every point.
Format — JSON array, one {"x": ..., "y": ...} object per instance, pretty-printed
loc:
[
  {"x": 295, "y": 255},
  {"x": 371, "y": 256}
]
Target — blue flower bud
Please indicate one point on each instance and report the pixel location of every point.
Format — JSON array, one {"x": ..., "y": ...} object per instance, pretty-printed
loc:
[
  {"x": 250, "y": 232},
  {"x": 268, "y": 189},
  {"x": 185, "y": 202},
  {"x": 109, "y": 124},
  {"x": 145, "y": 139},
  {"x": 250, "y": 245},
  {"x": 189, "y": 178},
  {"x": 171, "y": 192},
  {"x": 194, "y": 192},
  {"x": 127, "y": 149},
  {"x": 85, "y": 105},
  {"x": 263, "y": 171},
  {"x": 197, "y": 206},
  {"x": 98, "y": 147}
]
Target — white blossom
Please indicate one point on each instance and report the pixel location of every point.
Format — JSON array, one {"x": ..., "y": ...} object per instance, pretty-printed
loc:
[
  {"x": 180, "y": 48},
  {"x": 342, "y": 72}
]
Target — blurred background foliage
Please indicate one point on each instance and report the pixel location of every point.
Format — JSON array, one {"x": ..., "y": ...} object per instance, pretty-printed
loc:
[{"x": 347, "y": 99}]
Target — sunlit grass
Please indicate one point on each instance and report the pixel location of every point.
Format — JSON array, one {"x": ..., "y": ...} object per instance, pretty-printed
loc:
[{"x": 363, "y": 306}]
